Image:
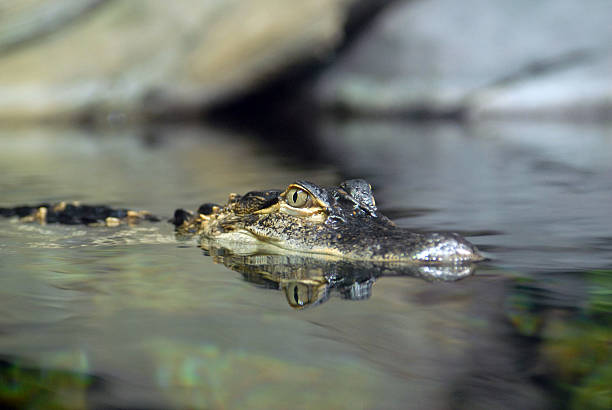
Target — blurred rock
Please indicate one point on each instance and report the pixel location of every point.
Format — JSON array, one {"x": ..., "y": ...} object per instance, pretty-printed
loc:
[
  {"x": 66, "y": 58},
  {"x": 478, "y": 58}
]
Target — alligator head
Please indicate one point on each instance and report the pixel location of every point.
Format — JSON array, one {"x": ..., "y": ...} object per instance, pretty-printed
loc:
[{"x": 340, "y": 222}]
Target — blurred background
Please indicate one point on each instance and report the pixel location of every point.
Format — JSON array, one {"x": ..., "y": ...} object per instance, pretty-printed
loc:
[
  {"x": 489, "y": 118},
  {"x": 107, "y": 61}
]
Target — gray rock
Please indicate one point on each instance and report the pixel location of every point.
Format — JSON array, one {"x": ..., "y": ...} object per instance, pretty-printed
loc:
[{"x": 551, "y": 57}]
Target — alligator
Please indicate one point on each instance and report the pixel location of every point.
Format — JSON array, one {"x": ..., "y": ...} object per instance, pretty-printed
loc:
[
  {"x": 340, "y": 222},
  {"x": 308, "y": 241}
]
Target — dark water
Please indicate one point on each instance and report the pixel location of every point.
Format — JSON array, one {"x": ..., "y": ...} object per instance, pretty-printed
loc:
[{"x": 131, "y": 317}]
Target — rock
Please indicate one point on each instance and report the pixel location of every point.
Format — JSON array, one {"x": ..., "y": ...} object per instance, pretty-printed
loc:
[
  {"x": 480, "y": 58},
  {"x": 120, "y": 59},
  {"x": 582, "y": 91}
]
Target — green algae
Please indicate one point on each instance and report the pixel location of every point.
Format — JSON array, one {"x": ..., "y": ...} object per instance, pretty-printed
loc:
[
  {"x": 25, "y": 386},
  {"x": 574, "y": 344}
]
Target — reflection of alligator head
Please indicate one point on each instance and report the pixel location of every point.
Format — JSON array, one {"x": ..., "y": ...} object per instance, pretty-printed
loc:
[
  {"x": 307, "y": 281},
  {"x": 340, "y": 222}
]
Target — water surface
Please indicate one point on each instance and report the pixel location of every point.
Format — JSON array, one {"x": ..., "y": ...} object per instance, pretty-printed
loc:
[{"x": 132, "y": 317}]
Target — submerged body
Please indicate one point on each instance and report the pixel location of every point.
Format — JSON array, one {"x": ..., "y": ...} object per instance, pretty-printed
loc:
[{"x": 341, "y": 222}]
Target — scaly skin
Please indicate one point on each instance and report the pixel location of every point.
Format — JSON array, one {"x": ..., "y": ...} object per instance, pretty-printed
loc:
[{"x": 340, "y": 222}]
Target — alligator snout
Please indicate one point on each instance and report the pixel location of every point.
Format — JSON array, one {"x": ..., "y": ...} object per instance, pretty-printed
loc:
[{"x": 446, "y": 248}]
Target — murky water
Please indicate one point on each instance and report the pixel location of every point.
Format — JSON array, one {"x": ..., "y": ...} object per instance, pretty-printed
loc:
[{"x": 131, "y": 317}]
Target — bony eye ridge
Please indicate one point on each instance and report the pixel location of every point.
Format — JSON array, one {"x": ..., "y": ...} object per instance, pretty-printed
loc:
[{"x": 297, "y": 198}]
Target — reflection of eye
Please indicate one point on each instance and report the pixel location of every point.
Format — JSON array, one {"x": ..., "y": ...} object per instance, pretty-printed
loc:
[
  {"x": 300, "y": 294},
  {"x": 297, "y": 198}
]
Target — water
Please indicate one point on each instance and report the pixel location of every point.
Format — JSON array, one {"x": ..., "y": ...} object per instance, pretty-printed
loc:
[{"x": 131, "y": 317}]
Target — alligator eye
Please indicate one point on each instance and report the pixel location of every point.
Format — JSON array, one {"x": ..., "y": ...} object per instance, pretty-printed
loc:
[{"x": 297, "y": 198}]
